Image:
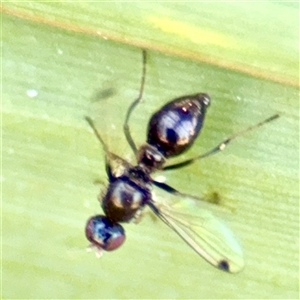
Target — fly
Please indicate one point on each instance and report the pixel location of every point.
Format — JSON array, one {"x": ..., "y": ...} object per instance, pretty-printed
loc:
[{"x": 171, "y": 131}]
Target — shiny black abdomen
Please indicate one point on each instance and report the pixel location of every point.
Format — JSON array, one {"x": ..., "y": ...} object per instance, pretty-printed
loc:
[{"x": 173, "y": 128}]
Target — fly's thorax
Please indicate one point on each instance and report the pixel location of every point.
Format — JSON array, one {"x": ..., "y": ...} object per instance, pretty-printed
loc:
[{"x": 124, "y": 198}]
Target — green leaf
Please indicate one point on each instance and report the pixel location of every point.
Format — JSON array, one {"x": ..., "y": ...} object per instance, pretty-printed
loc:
[{"x": 62, "y": 61}]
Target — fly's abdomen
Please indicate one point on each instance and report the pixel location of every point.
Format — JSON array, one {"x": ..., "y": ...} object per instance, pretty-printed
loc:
[{"x": 173, "y": 129}]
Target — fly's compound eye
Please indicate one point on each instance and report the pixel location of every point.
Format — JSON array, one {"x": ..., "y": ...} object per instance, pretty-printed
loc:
[{"x": 104, "y": 234}]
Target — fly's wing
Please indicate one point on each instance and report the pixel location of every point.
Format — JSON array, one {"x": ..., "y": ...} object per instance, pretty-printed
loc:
[
  {"x": 208, "y": 236},
  {"x": 118, "y": 166}
]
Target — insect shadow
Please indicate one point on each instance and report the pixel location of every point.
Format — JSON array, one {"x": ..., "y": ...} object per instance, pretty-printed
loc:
[{"x": 103, "y": 94}]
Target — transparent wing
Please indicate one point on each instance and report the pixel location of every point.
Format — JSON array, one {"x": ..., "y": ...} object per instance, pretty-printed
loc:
[
  {"x": 207, "y": 235},
  {"x": 118, "y": 165}
]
